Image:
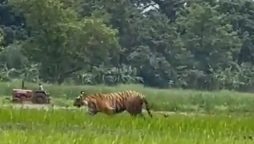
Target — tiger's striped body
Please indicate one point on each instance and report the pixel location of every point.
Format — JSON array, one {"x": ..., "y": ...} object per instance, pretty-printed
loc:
[{"x": 112, "y": 103}]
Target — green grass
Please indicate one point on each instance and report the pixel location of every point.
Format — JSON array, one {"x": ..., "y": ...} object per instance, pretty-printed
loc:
[
  {"x": 159, "y": 99},
  {"x": 30, "y": 126},
  {"x": 228, "y": 118}
]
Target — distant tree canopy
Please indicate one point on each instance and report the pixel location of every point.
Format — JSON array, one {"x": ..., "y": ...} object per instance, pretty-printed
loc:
[
  {"x": 1, "y": 40},
  {"x": 199, "y": 44}
]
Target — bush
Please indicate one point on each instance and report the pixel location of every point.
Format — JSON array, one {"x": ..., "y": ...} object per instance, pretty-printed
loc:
[{"x": 108, "y": 75}]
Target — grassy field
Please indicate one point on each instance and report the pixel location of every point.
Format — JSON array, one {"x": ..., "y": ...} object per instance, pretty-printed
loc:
[
  {"x": 30, "y": 126},
  {"x": 227, "y": 118},
  {"x": 159, "y": 99}
]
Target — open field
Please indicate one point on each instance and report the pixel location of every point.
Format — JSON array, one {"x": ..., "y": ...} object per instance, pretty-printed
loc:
[
  {"x": 29, "y": 126},
  {"x": 176, "y": 100},
  {"x": 227, "y": 118}
]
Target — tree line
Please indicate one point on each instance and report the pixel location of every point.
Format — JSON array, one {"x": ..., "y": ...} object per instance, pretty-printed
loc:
[{"x": 198, "y": 44}]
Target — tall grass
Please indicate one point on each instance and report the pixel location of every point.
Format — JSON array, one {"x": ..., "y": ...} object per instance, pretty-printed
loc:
[
  {"x": 31, "y": 126},
  {"x": 160, "y": 99}
]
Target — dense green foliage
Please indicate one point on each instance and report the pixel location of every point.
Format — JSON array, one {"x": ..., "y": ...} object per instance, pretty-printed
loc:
[
  {"x": 73, "y": 126},
  {"x": 200, "y": 44}
]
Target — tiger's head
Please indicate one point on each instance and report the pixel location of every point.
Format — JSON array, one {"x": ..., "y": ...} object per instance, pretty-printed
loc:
[
  {"x": 80, "y": 100},
  {"x": 83, "y": 100}
]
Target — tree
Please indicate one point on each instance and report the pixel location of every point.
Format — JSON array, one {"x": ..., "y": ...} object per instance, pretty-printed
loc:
[
  {"x": 240, "y": 15},
  {"x": 12, "y": 24},
  {"x": 12, "y": 57},
  {"x": 148, "y": 39},
  {"x": 210, "y": 39},
  {"x": 159, "y": 51},
  {"x": 1, "y": 40},
  {"x": 62, "y": 42},
  {"x": 170, "y": 8},
  {"x": 166, "y": 43}
]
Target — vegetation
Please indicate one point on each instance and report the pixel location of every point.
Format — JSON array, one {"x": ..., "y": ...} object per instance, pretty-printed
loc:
[
  {"x": 175, "y": 100},
  {"x": 68, "y": 126},
  {"x": 108, "y": 45},
  {"x": 197, "y": 44}
]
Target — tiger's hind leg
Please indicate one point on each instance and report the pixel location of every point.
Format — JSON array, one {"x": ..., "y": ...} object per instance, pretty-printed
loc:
[{"x": 134, "y": 106}]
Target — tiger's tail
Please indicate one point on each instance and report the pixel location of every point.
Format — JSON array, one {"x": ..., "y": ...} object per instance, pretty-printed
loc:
[{"x": 147, "y": 107}]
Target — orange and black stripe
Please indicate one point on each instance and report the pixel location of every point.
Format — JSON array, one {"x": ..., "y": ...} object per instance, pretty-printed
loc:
[{"x": 116, "y": 100}]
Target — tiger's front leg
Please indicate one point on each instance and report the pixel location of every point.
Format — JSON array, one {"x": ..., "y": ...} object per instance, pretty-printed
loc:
[
  {"x": 109, "y": 112},
  {"x": 92, "y": 111},
  {"x": 108, "y": 109}
]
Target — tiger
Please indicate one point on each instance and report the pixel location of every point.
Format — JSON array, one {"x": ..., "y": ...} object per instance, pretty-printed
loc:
[{"x": 113, "y": 103}]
